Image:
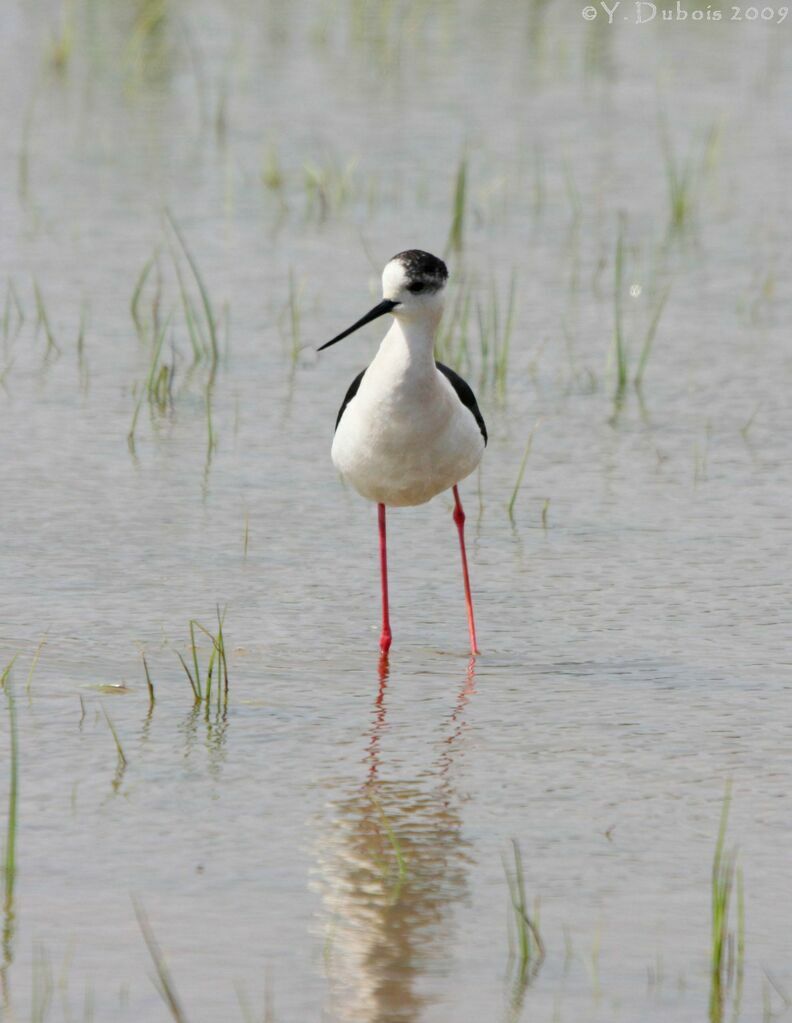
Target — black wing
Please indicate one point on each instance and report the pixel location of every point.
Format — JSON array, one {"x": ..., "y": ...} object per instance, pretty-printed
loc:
[
  {"x": 353, "y": 390},
  {"x": 464, "y": 393}
]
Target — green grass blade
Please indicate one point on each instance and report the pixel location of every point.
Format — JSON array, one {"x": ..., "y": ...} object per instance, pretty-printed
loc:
[
  {"x": 42, "y": 320},
  {"x": 164, "y": 983},
  {"x": 195, "y": 658},
  {"x": 646, "y": 351},
  {"x": 207, "y": 305},
  {"x": 521, "y": 472},
  {"x": 456, "y": 234},
  {"x": 618, "y": 330},
  {"x": 9, "y": 856},
  {"x": 119, "y": 749},
  {"x": 138, "y": 292},
  {"x": 193, "y": 685},
  {"x": 149, "y": 683},
  {"x": 133, "y": 424}
]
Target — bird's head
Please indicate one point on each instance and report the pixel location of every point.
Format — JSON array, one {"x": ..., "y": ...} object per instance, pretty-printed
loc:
[
  {"x": 413, "y": 286},
  {"x": 415, "y": 281}
]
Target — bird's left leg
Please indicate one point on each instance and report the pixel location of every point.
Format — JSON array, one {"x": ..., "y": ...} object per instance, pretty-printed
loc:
[
  {"x": 385, "y": 635},
  {"x": 459, "y": 518}
]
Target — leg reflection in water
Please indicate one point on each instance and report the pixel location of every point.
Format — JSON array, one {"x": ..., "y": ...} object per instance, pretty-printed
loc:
[{"x": 392, "y": 862}]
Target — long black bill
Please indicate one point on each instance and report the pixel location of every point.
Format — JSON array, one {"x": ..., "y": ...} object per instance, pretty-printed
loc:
[{"x": 385, "y": 306}]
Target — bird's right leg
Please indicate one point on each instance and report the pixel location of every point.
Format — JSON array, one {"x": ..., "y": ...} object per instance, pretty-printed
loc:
[
  {"x": 385, "y": 635},
  {"x": 459, "y": 519}
]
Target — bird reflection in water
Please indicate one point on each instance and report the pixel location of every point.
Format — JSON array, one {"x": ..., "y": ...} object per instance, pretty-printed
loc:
[{"x": 392, "y": 865}]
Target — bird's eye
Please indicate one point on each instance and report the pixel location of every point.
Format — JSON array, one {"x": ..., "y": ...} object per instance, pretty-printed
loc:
[{"x": 416, "y": 287}]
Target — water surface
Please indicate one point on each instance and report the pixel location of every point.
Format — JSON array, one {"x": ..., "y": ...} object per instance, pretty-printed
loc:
[{"x": 332, "y": 844}]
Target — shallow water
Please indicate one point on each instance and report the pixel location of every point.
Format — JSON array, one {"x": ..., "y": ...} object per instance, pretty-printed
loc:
[{"x": 332, "y": 845}]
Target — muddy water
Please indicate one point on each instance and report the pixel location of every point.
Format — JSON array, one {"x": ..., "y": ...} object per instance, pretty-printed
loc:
[{"x": 332, "y": 845}]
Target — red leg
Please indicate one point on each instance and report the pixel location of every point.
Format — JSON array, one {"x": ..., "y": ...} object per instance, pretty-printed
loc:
[
  {"x": 385, "y": 636},
  {"x": 459, "y": 518}
]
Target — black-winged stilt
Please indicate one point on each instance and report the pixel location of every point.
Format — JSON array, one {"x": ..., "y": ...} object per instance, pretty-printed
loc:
[{"x": 409, "y": 427}]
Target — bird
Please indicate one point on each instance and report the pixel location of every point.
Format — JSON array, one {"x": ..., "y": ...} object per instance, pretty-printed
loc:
[{"x": 409, "y": 427}]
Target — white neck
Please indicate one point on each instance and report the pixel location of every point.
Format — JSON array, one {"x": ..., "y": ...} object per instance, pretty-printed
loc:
[{"x": 410, "y": 341}]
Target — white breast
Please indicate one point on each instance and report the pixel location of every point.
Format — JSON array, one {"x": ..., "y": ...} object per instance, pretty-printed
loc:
[{"x": 405, "y": 436}]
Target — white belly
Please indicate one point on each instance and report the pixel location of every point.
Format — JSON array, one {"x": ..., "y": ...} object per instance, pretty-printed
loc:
[{"x": 403, "y": 444}]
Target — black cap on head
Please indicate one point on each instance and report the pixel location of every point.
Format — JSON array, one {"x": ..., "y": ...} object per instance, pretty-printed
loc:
[{"x": 424, "y": 267}]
